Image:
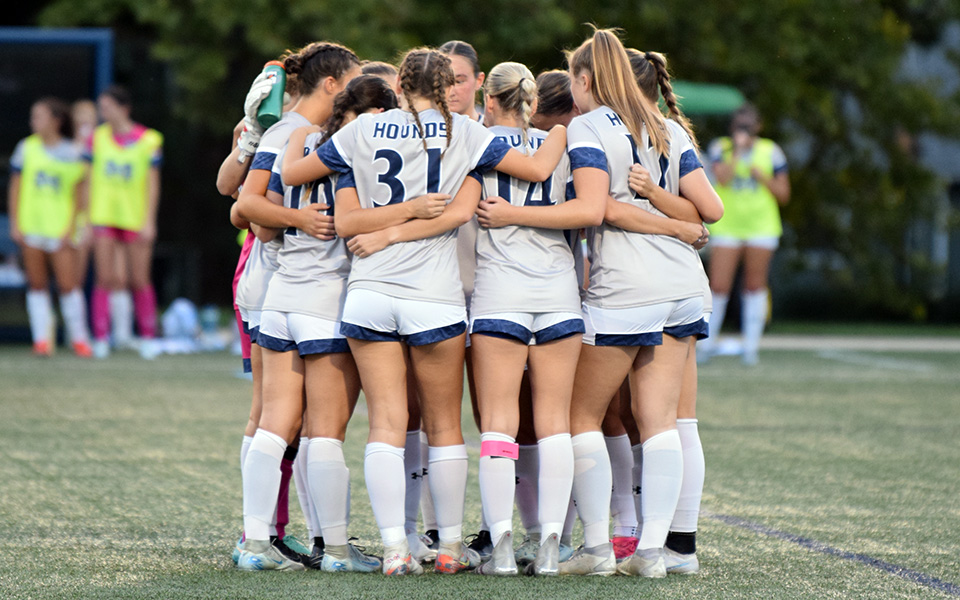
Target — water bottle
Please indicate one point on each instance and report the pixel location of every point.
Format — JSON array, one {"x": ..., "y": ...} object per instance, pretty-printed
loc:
[{"x": 271, "y": 108}]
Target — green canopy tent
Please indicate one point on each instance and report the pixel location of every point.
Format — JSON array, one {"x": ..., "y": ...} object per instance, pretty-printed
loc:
[{"x": 707, "y": 98}]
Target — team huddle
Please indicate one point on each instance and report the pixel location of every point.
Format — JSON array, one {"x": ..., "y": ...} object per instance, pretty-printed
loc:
[{"x": 396, "y": 234}]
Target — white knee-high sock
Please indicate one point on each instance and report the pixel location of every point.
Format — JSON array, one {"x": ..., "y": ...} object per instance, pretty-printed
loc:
[
  {"x": 662, "y": 476},
  {"x": 716, "y": 322},
  {"x": 448, "y": 485},
  {"x": 754, "y": 311},
  {"x": 556, "y": 481},
  {"x": 301, "y": 477},
  {"x": 691, "y": 490},
  {"x": 622, "y": 508},
  {"x": 571, "y": 519},
  {"x": 261, "y": 482},
  {"x": 413, "y": 470},
  {"x": 637, "y": 476},
  {"x": 383, "y": 472},
  {"x": 528, "y": 480},
  {"x": 497, "y": 486},
  {"x": 121, "y": 316},
  {"x": 426, "y": 499},
  {"x": 328, "y": 476},
  {"x": 40, "y": 314},
  {"x": 73, "y": 307},
  {"x": 244, "y": 448},
  {"x": 592, "y": 482}
]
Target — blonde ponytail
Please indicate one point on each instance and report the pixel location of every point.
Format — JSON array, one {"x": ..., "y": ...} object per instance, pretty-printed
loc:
[
  {"x": 614, "y": 86},
  {"x": 514, "y": 87}
]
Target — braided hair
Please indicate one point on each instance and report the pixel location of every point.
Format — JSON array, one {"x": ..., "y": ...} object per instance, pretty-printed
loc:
[
  {"x": 313, "y": 63},
  {"x": 650, "y": 69},
  {"x": 360, "y": 95},
  {"x": 513, "y": 86},
  {"x": 426, "y": 73}
]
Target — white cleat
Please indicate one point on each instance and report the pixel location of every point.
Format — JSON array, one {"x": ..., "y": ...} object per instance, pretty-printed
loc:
[
  {"x": 101, "y": 348},
  {"x": 149, "y": 349},
  {"x": 680, "y": 564},
  {"x": 348, "y": 559},
  {"x": 397, "y": 560},
  {"x": 502, "y": 561},
  {"x": 547, "y": 563},
  {"x": 261, "y": 555},
  {"x": 645, "y": 563},
  {"x": 420, "y": 551},
  {"x": 598, "y": 560}
]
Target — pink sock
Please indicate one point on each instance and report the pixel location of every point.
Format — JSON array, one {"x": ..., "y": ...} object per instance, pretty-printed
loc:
[
  {"x": 145, "y": 306},
  {"x": 100, "y": 313},
  {"x": 283, "y": 498}
]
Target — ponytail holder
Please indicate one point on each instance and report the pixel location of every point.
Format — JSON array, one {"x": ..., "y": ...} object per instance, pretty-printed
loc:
[{"x": 648, "y": 56}]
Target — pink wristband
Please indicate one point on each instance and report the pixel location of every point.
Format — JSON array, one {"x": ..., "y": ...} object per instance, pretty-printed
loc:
[{"x": 500, "y": 449}]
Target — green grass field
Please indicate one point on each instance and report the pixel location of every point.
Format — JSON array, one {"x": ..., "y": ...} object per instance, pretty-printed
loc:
[{"x": 119, "y": 479}]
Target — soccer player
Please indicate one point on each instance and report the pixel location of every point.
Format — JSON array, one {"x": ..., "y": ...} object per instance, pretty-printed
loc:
[
  {"x": 44, "y": 200},
  {"x": 304, "y": 353},
  {"x": 752, "y": 178},
  {"x": 404, "y": 290},
  {"x": 125, "y": 159},
  {"x": 525, "y": 311},
  {"x": 643, "y": 304},
  {"x": 320, "y": 71}
]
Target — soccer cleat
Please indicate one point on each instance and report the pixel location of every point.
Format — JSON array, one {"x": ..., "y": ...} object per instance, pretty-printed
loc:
[
  {"x": 455, "y": 557},
  {"x": 527, "y": 552},
  {"x": 314, "y": 560},
  {"x": 348, "y": 558},
  {"x": 566, "y": 552},
  {"x": 398, "y": 561},
  {"x": 502, "y": 560},
  {"x": 420, "y": 551},
  {"x": 431, "y": 539},
  {"x": 624, "y": 547},
  {"x": 149, "y": 349},
  {"x": 547, "y": 563},
  {"x": 645, "y": 563},
  {"x": 288, "y": 551},
  {"x": 261, "y": 555},
  {"x": 237, "y": 549},
  {"x": 598, "y": 560},
  {"x": 101, "y": 348},
  {"x": 294, "y": 544},
  {"x": 481, "y": 544},
  {"x": 82, "y": 350},
  {"x": 42, "y": 349},
  {"x": 680, "y": 564}
]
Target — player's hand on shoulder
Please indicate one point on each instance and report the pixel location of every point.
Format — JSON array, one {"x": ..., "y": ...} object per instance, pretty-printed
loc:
[
  {"x": 429, "y": 206},
  {"x": 640, "y": 180},
  {"x": 494, "y": 212},
  {"x": 317, "y": 224}
]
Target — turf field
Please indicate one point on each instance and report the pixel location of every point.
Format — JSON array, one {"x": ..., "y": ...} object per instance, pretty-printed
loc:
[{"x": 826, "y": 477}]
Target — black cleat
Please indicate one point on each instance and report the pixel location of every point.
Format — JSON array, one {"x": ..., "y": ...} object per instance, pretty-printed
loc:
[
  {"x": 481, "y": 543},
  {"x": 431, "y": 539}
]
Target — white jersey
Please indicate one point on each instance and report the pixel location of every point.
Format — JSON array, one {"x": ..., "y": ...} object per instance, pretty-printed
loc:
[
  {"x": 467, "y": 256},
  {"x": 312, "y": 276},
  {"x": 525, "y": 269},
  {"x": 263, "y": 263},
  {"x": 385, "y": 157},
  {"x": 630, "y": 269}
]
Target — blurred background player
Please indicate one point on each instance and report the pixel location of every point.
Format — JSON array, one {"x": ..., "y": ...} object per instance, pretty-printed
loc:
[
  {"x": 125, "y": 159},
  {"x": 44, "y": 199},
  {"x": 751, "y": 177},
  {"x": 84, "y": 116}
]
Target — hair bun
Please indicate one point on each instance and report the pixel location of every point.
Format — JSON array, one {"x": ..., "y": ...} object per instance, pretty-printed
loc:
[{"x": 293, "y": 64}]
